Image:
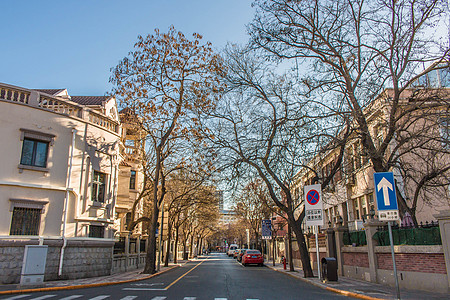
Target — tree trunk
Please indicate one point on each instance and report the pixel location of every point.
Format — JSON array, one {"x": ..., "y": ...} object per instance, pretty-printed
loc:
[
  {"x": 274, "y": 242},
  {"x": 184, "y": 246},
  {"x": 150, "y": 261},
  {"x": 169, "y": 234},
  {"x": 291, "y": 259},
  {"x": 200, "y": 244},
  {"x": 304, "y": 254},
  {"x": 191, "y": 246},
  {"x": 175, "y": 247}
]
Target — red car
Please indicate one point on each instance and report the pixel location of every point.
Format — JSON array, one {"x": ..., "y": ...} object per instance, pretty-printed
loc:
[{"x": 252, "y": 257}]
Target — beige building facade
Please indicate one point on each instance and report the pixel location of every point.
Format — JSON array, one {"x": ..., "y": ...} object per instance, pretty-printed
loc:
[
  {"x": 59, "y": 177},
  {"x": 349, "y": 199}
]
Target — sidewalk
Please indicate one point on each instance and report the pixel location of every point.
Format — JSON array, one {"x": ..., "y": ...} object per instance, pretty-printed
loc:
[
  {"x": 359, "y": 289},
  {"x": 130, "y": 276}
]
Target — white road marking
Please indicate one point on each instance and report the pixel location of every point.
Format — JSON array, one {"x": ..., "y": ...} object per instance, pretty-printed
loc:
[
  {"x": 220, "y": 299},
  {"x": 147, "y": 284},
  {"x": 159, "y": 298},
  {"x": 44, "y": 297},
  {"x": 128, "y": 298},
  {"x": 18, "y": 297},
  {"x": 189, "y": 298},
  {"x": 100, "y": 297},
  {"x": 71, "y": 297}
]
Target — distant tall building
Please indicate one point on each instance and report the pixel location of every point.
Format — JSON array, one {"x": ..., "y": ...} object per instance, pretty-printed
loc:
[{"x": 219, "y": 194}]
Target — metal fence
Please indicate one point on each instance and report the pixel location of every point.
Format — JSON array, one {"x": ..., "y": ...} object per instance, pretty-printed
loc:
[
  {"x": 425, "y": 234},
  {"x": 355, "y": 238}
]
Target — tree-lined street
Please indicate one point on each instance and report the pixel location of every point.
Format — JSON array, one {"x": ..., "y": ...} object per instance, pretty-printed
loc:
[{"x": 214, "y": 277}]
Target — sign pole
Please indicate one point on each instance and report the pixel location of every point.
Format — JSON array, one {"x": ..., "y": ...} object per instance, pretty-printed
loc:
[
  {"x": 393, "y": 260},
  {"x": 317, "y": 252},
  {"x": 387, "y": 207}
]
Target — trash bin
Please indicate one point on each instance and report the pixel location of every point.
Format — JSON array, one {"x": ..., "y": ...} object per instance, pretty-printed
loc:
[
  {"x": 185, "y": 255},
  {"x": 329, "y": 269}
]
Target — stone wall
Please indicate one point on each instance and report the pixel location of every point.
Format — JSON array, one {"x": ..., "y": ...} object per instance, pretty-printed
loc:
[{"x": 83, "y": 257}]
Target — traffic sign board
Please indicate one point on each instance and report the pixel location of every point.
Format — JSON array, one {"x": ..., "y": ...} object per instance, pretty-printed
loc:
[
  {"x": 385, "y": 195},
  {"x": 312, "y": 197},
  {"x": 266, "y": 229},
  {"x": 313, "y": 205}
]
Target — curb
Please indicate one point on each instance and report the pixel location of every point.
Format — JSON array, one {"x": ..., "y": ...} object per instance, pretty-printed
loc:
[
  {"x": 337, "y": 291},
  {"x": 83, "y": 286}
]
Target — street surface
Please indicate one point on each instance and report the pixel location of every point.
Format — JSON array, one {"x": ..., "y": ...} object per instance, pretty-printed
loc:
[{"x": 216, "y": 277}]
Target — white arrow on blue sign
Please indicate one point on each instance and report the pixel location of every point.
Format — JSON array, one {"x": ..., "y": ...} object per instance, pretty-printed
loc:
[
  {"x": 385, "y": 191},
  {"x": 386, "y": 196}
]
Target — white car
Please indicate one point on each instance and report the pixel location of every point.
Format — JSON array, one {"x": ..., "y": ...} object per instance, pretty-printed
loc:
[{"x": 231, "y": 249}]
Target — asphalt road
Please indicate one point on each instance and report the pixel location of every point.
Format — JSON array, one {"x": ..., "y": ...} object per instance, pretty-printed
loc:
[{"x": 217, "y": 277}]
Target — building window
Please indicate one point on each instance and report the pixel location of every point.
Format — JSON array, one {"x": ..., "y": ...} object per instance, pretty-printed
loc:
[
  {"x": 25, "y": 221},
  {"x": 127, "y": 220},
  {"x": 96, "y": 231},
  {"x": 34, "y": 153},
  {"x": 363, "y": 205},
  {"x": 133, "y": 180},
  {"x": 35, "y": 149},
  {"x": 356, "y": 206},
  {"x": 99, "y": 187}
]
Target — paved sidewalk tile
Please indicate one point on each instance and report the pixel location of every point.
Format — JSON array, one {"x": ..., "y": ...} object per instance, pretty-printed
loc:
[
  {"x": 130, "y": 275},
  {"x": 361, "y": 287}
]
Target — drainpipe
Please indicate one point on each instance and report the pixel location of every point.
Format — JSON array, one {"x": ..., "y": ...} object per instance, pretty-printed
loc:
[{"x": 66, "y": 202}]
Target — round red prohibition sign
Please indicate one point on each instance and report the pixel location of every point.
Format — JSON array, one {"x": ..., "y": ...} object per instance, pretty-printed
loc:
[{"x": 312, "y": 197}]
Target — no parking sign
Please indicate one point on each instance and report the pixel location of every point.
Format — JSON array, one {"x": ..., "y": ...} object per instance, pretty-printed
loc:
[{"x": 313, "y": 205}]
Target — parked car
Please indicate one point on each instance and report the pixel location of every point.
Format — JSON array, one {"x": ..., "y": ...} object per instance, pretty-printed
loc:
[
  {"x": 236, "y": 252},
  {"x": 239, "y": 255},
  {"x": 252, "y": 257},
  {"x": 231, "y": 249}
]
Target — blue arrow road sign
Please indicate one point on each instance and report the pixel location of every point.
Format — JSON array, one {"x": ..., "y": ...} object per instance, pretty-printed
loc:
[
  {"x": 266, "y": 229},
  {"x": 385, "y": 191}
]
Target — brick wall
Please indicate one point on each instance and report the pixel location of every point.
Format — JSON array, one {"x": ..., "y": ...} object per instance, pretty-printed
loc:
[
  {"x": 313, "y": 256},
  {"x": 415, "y": 262},
  {"x": 358, "y": 259}
]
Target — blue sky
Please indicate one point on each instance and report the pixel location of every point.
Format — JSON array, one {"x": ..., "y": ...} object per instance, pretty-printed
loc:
[{"x": 73, "y": 43}]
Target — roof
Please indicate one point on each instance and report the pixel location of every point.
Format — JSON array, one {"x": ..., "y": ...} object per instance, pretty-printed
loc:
[
  {"x": 89, "y": 100},
  {"x": 50, "y": 91}
]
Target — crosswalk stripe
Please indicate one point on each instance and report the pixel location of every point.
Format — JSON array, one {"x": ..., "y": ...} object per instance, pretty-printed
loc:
[
  {"x": 71, "y": 297},
  {"x": 189, "y": 298},
  {"x": 159, "y": 298},
  {"x": 100, "y": 297},
  {"x": 220, "y": 299},
  {"x": 128, "y": 298},
  {"x": 18, "y": 297},
  {"x": 44, "y": 297}
]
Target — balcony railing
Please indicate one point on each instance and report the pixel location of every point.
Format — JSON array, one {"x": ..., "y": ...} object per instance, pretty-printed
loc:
[
  {"x": 61, "y": 106},
  {"x": 103, "y": 121},
  {"x": 14, "y": 95}
]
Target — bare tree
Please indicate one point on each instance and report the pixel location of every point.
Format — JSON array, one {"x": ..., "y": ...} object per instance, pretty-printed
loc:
[
  {"x": 166, "y": 81},
  {"x": 348, "y": 52},
  {"x": 263, "y": 129}
]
